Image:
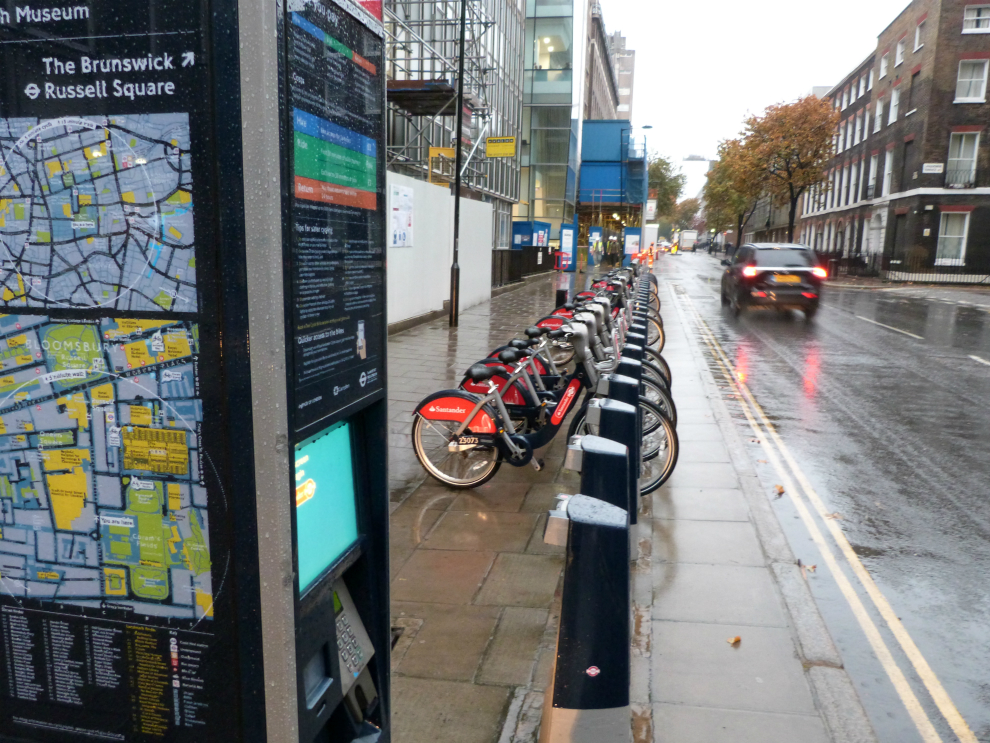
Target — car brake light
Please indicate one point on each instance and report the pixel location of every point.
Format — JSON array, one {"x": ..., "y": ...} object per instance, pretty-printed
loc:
[
  {"x": 758, "y": 293},
  {"x": 749, "y": 271},
  {"x": 809, "y": 295},
  {"x": 820, "y": 272}
]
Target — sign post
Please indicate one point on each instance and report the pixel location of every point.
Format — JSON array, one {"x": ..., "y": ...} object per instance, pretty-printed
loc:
[{"x": 193, "y": 485}]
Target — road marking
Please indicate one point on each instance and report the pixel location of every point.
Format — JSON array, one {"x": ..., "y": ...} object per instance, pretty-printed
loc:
[
  {"x": 890, "y": 327},
  {"x": 938, "y": 693},
  {"x": 982, "y": 361}
]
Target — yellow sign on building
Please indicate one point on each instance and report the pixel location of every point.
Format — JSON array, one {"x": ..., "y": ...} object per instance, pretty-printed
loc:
[{"x": 500, "y": 146}]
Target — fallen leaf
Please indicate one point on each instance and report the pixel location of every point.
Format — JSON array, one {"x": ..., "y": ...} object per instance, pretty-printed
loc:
[
  {"x": 811, "y": 568},
  {"x": 834, "y": 516},
  {"x": 734, "y": 641},
  {"x": 761, "y": 461},
  {"x": 754, "y": 441},
  {"x": 779, "y": 489}
]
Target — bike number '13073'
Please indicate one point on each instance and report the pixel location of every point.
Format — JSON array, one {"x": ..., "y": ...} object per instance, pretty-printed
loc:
[{"x": 565, "y": 402}]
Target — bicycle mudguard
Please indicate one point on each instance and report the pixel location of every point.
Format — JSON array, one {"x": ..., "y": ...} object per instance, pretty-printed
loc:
[
  {"x": 553, "y": 322},
  {"x": 456, "y": 405},
  {"x": 562, "y": 312},
  {"x": 586, "y": 295}
]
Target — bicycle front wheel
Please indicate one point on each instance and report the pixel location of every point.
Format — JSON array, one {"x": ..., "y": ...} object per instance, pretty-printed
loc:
[
  {"x": 463, "y": 469},
  {"x": 655, "y": 337}
]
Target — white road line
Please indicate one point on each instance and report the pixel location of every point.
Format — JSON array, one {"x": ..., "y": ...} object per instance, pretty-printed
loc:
[
  {"x": 761, "y": 425},
  {"x": 896, "y": 330},
  {"x": 982, "y": 361}
]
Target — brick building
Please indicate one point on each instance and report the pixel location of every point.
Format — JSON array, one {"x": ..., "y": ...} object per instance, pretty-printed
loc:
[{"x": 909, "y": 188}]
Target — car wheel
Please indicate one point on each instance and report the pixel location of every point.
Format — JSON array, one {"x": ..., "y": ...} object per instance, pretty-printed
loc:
[
  {"x": 725, "y": 299},
  {"x": 737, "y": 307}
]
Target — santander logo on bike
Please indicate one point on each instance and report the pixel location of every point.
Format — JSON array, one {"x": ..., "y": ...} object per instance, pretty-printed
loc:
[
  {"x": 565, "y": 402},
  {"x": 455, "y": 411}
]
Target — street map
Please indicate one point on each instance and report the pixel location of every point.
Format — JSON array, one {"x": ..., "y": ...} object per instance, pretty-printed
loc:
[
  {"x": 97, "y": 212},
  {"x": 102, "y": 496}
]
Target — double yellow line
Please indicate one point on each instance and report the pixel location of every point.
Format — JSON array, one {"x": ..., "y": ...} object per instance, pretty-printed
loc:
[{"x": 806, "y": 500}]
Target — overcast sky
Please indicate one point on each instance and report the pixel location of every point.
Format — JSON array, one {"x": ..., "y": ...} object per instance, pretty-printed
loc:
[{"x": 702, "y": 67}]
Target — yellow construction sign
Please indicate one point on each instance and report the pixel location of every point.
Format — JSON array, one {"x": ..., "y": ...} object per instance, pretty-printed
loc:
[{"x": 500, "y": 147}]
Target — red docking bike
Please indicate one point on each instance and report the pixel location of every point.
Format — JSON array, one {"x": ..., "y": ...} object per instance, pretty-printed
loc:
[{"x": 516, "y": 401}]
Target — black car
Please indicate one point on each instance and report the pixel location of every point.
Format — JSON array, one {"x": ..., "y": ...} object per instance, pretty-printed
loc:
[{"x": 783, "y": 276}]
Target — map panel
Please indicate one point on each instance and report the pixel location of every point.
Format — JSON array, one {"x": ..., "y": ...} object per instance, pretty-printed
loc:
[
  {"x": 102, "y": 498},
  {"x": 97, "y": 212}
]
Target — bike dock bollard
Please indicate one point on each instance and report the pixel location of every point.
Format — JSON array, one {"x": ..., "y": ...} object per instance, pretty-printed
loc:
[
  {"x": 587, "y": 700},
  {"x": 619, "y": 422},
  {"x": 604, "y": 467}
]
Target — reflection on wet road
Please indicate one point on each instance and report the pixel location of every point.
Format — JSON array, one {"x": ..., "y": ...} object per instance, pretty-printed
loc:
[{"x": 884, "y": 402}]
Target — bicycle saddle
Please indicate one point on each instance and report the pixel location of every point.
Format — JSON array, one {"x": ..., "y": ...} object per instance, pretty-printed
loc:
[
  {"x": 521, "y": 345},
  {"x": 557, "y": 334},
  {"x": 568, "y": 305},
  {"x": 511, "y": 356},
  {"x": 535, "y": 332},
  {"x": 482, "y": 373}
]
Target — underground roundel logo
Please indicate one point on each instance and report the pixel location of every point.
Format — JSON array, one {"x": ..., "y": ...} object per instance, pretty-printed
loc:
[{"x": 593, "y": 671}]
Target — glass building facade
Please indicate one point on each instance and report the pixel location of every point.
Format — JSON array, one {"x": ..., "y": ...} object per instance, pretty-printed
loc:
[{"x": 554, "y": 88}]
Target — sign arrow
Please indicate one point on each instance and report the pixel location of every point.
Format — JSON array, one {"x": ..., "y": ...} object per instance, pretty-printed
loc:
[{"x": 188, "y": 59}]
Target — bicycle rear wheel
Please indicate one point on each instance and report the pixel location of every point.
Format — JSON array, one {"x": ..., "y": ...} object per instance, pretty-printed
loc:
[
  {"x": 655, "y": 337},
  {"x": 658, "y": 468},
  {"x": 465, "y": 469},
  {"x": 659, "y": 397},
  {"x": 660, "y": 362}
]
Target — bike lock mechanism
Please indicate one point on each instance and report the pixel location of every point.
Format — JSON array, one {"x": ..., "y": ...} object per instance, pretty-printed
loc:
[
  {"x": 588, "y": 698},
  {"x": 618, "y": 421}
]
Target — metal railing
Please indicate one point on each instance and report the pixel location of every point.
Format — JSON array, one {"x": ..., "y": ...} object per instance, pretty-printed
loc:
[
  {"x": 922, "y": 266},
  {"x": 965, "y": 178},
  {"x": 507, "y": 267}
]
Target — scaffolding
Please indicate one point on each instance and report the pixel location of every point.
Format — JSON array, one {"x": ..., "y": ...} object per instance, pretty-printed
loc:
[{"x": 422, "y": 52}]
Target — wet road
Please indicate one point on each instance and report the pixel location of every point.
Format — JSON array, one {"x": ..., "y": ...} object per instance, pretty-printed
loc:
[{"x": 884, "y": 401}]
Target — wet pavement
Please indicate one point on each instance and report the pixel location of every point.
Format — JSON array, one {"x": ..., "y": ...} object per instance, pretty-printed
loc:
[
  {"x": 883, "y": 403},
  {"x": 476, "y": 593},
  {"x": 474, "y": 589}
]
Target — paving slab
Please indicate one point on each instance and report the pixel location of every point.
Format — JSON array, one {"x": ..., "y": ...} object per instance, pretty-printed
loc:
[
  {"x": 432, "y": 654},
  {"x": 428, "y": 711},
  {"x": 482, "y": 530},
  {"x": 706, "y": 542},
  {"x": 700, "y": 504},
  {"x": 512, "y": 652},
  {"x": 442, "y": 576},
  {"x": 693, "y": 663},
  {"x": 684, "y": 724},
  {"x": 522, "y": 580},
  {"x": 718, "y": 594}
]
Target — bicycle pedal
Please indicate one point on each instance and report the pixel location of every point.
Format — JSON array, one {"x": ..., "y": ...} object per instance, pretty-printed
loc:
[{"x": 537, "y": 464}]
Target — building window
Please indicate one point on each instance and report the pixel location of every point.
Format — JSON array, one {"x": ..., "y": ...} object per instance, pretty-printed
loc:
[
  {"x": 857, "y": 167},
  {"x": 952, "y": 236},
  {"x": 845, "y": 99},
  {"x": 878, "y": 122},
  {"x": 961, "y": 170},
  {"x": 872, "y": 185},
  {"x": 895, "y": 104},
  {"x": 869, "y": 82},
  {"x": 899, "y": 53},
  {"x": 850, "y": 133},
  {"x": 971, "y": 86},
  {"x": 622, "y": 107},
  {"x": 883, "y": 65},
  {"x": 858, "y": 129},
  {"x": 888, "y": 171},
  {"x": 912, "y": 91},
  {"x": 919, "y": 36},
  {"x": 866, "y": 124},
  {"x": 977, "y": 19},
  {"x": 862, "y": 86},
  {"x": 625, "y": 91}
]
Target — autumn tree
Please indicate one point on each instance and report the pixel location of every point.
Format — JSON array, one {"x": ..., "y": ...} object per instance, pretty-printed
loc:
[
  {"x": 734, "y": 188},
  {"x": 791, "y": 144},
  {"x": 685, "y": 213},
  {"x": 666, "y": 182}
]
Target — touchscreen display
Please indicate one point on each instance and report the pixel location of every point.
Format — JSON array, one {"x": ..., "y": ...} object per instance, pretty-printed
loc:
[{"x": 326, "y": 512}]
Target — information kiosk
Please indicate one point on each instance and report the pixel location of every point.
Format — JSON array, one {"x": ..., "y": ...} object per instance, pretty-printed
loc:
[{"x": 193, "y": 447}]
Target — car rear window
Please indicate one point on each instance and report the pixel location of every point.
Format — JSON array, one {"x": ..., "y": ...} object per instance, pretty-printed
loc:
[{"x": 785, "y": 258}]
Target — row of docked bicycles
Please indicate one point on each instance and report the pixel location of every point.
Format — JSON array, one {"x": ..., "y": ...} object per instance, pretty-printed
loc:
[{"x": 514, "y": 402}]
